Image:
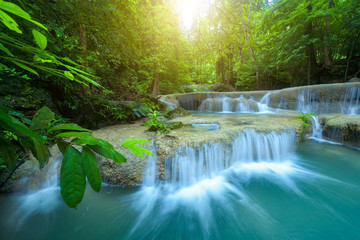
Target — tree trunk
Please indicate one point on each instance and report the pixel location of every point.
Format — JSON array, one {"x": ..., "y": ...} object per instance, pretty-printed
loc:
[
  {"x": 310, "y": 49},
  {"x": 247, "y": 38},
  {"x": 352, "y": 49},
  {"x": 83, "y": 44},
  {"x": 155, "y": 85},
  {"x": 327, "y": 61}
]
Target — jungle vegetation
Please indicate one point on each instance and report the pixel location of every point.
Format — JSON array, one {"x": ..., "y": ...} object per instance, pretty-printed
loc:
[{"x": 83, "y": 61}]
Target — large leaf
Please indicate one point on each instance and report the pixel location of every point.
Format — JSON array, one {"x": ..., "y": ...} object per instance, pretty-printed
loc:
[
  {"x": 42, "y": 117},
  {"x": 15, "y": 9},
  {"x": 91, "y": 168},
  {"x": 108, "y": 153},
  {"x": 73, "y": 134},
  {"x": 68, "y": 126},
  {"x": 69, "y": 75},
  {"x": 9, "y": 22},
  {"x": 40, "y": 39},
  {"x": 8, "y": 152},
  {"x": 42, "y": 153},
  {"x": 93, "y": 141},
  {"x": 131, "y": 145},
  {"x": 72, "y": 178},
  {"x": 62, "y": 145},
  {"x": 10, "y": 123}
]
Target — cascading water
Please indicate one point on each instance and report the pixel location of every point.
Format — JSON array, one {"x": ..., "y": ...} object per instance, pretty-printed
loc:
[
  {"x": 351, "y": 102},
  {"x": 316, "y": 128},
  {"x": 264, "y": 103},
  {"x": 240, "y": 105},
  {"x": 308, "y": 102},
  {"x": 193, "y": 164}
]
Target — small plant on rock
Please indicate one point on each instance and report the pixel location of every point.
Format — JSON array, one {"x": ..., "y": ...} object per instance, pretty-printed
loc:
[{"x": 306, "y": 118}]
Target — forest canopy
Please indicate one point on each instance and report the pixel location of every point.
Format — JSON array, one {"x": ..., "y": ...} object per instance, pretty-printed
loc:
[{"x": 137, "y": 49}]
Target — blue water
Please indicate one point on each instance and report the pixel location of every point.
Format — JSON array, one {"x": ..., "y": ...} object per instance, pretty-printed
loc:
[{"x": 314, "y": 194}]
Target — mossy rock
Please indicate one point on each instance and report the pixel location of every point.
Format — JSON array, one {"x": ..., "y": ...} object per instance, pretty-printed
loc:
[{"x": 177, "y": 112}]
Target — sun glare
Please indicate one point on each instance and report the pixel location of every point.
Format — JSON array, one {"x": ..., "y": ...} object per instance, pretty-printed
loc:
[{"x": 190, "y": 10}]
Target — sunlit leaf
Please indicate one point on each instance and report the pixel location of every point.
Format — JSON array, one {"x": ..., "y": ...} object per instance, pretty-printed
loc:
[
  {"x": 16, "y": 10},
  {"x": 40, "y": 39},
  {"x": 69, "y": 75},
  {"x": 131, "y": 145},
  {"x": 9, "y": 22}
]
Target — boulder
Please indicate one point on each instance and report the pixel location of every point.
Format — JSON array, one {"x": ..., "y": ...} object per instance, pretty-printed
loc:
[{"x": 343, "y": 129}]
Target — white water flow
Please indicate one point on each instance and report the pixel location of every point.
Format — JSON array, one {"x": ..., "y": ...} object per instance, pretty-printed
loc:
[
  {"x": 308, "y": 102},
  {"x": 199, "y": 174},
  {"x": 43, "y": 200},
  {"x": 351, "y": 102},
  {"x": 192, "y": 164},
  {"x": 240, "y": 105},
  {"x": 264, "y": 103},
  {"x": 316, "y": 128}
]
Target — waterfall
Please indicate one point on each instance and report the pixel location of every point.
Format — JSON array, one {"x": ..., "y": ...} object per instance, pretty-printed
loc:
[
  {"x": 149, "y": 178},
  {"x": 43, "y": 200},
  {"x": 264, "y": 103},
  {"x": 351, "y": 101},
  {"x": 192, "y": 164},
  {"x": 308, "y": 102},
  {"x": 240, "y": 104},
  {"x": 316, "y": 128}
]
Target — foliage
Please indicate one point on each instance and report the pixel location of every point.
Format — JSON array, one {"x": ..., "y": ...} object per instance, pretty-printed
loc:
[
  {"x": 156, "y": 124},
  {"x": 42, "y": 60},
  {"x": 77, "y": 145},
  {"x": 306, "y": 118}
]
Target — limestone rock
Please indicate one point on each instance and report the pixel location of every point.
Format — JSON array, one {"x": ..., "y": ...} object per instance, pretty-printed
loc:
[{"x": 342, "y": 128}]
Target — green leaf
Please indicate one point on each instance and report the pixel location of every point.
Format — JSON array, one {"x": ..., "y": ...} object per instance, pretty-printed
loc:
[
  {"x": 69, "y": 75},
  {"x": 68, "y": 126},
  {"x": 40, "y": 39},
  {"x": 42, "y": 153},
  {"x": 9, "y": 22},
  {"x": 42, "y": 117},
  {"x": 38, "y": 149},
  {"x": 16, "y": 10},
  {"x": 73, "y": 134},
  {"x": 72, "y": 177},
  {"x": 12, "y": 124},
  {"x": 108, "y": 153},
  {"x": 24, "y": 67},
  {"x": 91, "y": 168},
  {"x": 62, "y": 145},
  {"x": 4, "y": 49},
  {"x": 131, "y": 145},
  {"x": 93, "y": 141},
  {"x": 8, "y": 152}
]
